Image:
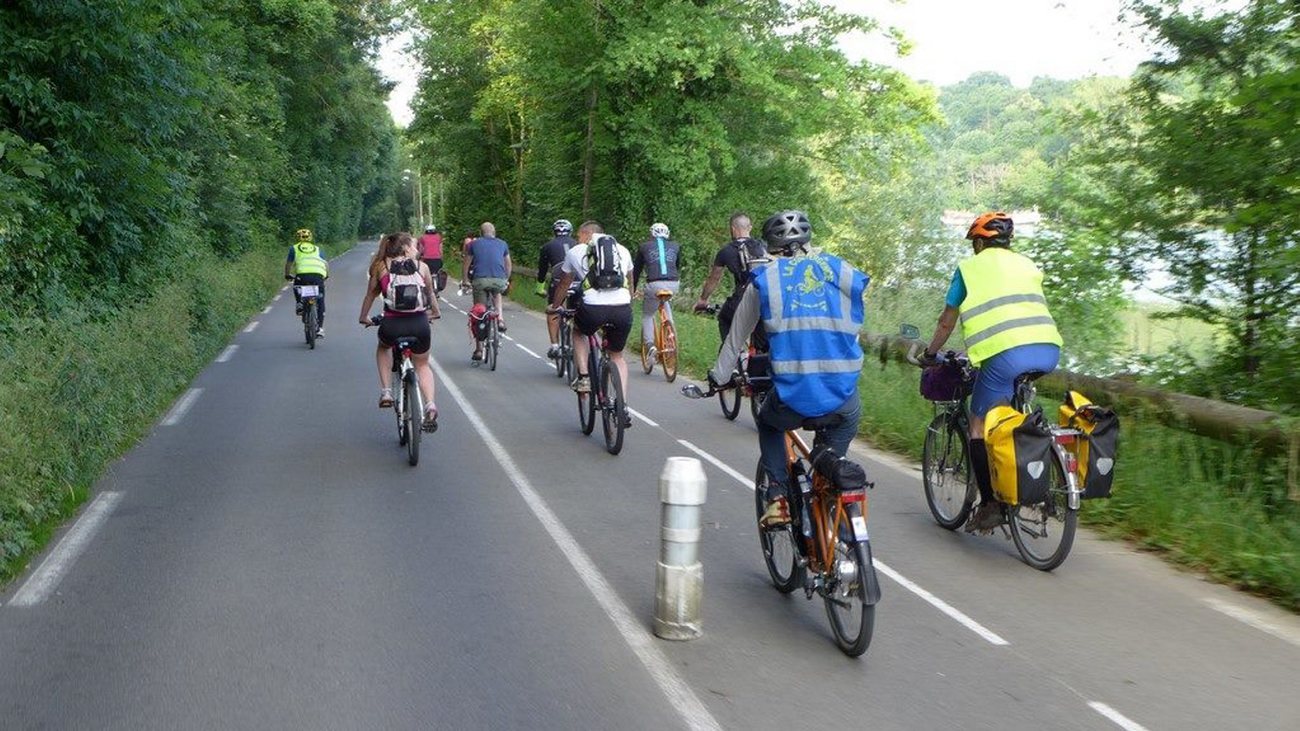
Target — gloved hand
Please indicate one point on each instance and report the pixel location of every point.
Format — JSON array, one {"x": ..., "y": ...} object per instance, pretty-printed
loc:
[{"x": 540, "y": 289}]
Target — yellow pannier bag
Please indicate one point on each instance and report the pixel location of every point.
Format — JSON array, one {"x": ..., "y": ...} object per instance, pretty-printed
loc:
[
  {"x": 1020, "y": 455},
  {"x": 1096, "y": 450}
]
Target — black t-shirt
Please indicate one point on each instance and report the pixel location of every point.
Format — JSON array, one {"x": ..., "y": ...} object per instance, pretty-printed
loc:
[
  {"x": 731, "y": 258},
  {"x": 553, "y": 252}
]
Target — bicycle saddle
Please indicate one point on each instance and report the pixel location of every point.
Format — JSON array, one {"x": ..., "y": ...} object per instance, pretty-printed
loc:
[
  {"x": 405, "y": 342},
  {"x": 1029, "y": 376},
  {"x": 664, "y": 294},
  {"x": 817, "y": 423}
]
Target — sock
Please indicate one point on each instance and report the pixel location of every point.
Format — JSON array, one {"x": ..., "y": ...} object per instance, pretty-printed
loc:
[{"x": 979, "y": 463}]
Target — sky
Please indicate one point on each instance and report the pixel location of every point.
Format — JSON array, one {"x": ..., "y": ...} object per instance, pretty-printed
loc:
[{"x": 1066, "y": 39}]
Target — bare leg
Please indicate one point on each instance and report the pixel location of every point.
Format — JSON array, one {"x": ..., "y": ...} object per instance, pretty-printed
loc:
[
  {"x": 425, "y": 374},
  {"x": 553, "y": 328},
  {"x": 580, "y": 350},
  {"x": 384, "y": 359},
  {"x": 620, "y": 363}
]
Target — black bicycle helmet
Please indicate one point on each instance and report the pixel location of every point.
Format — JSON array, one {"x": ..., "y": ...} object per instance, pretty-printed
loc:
[{"x": 786, "y": 231}]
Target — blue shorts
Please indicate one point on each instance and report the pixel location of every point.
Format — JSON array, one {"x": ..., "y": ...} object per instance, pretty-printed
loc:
[{"x": 996, "y": 380}]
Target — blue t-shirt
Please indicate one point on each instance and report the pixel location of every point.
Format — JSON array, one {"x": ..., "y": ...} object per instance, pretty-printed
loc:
[
  {"x": 489, "y": 255},
  {"x": 956, "y": 291}
]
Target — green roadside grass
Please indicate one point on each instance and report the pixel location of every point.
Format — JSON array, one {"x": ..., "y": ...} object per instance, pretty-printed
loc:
[
  {"x": 1211, "y": 506},
  {"x": 78, "y": 391}
]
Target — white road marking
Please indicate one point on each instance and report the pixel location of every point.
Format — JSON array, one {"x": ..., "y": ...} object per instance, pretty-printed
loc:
[
  {"x": 252, "y": 326},
  {"x": 1254, "y": 619},
  {"x": 948, "y": 609},
  {"x": 680, "y": 695},
  {"x": 642, "y": 416},
  {"x": 718, "y": 463},
  {"x": 179, "y": 410},
  {"x": 228, "y": 353},
  {"x": 276, "y": 298},
  {"x": 507, "y": 337},
  {"x": 526, "y": 350},
  {"x": 266, "y": 310},
  {"x": 47, "y": 576},
  {"x": 1116, "y": 717}
]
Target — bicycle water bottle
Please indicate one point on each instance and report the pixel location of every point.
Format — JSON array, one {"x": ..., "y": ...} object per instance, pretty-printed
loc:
[{"x": 805, "y": 490}]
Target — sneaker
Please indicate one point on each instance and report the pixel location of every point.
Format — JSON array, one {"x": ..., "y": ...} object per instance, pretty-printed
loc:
[
  {"x": 320, "y": 332},
  {"x": 986, "y": 517},
  {"x": 777, "y": 514},
  {"x": 430, "y": 419},
  {"x": 476, "y": 356},
  {"x": 553, "y": 351},
  {"x": 627, "y": 420},
  {"x": 385, "y": 398},
  {"x": 501, "y": 325},
  {"x": 582, "y": 384},
  {"x": 297, "y": 309}
]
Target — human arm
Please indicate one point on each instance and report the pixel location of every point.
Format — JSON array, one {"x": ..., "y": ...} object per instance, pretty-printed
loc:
[
  {"x": 510, "y": 266},
  {"x": 372, "y": 291},
  {"x": 742, "y": 324},
  {"x": 948, "y": 318},
  {"x": 710, "y": 284},
  {"x": 561, "y": 291},
  {"x": 466, "y": 263}
]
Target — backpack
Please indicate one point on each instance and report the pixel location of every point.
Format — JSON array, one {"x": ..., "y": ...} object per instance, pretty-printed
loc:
[
  {"x": 750, "y": 250},
  {"x": 604, "y": 265},
  {"x": 405, "y": 290}
]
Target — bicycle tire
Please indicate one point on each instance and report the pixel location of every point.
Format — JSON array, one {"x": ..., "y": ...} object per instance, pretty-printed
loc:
[
  {"x": 414, "y": 417},
  {"x": 647, "y": 363},
  {"x": 775, "y": 543},
  {"x": 1058, "y": 499},
  {"x": 587, "y": 401},
  {"x": 613, "y": 408},
  {"x": 942, "y": 457},
  {"x": 562, "y": 357},
  {"x": 668, "y": 356},
  {"x": 729, "y": 411},
  {"x": 852, "y": 619},
  {"x": 399, "y": 401},
  {"x": 493, "y": 344},
  {"x": 309, "y": 324}
]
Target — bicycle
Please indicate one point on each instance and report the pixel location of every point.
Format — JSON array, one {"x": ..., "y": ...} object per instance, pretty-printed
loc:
[
  {"x": 307, "y": 297},
  {"x": 664, "y": 348},
  {"x": 825, "y": 548},
  {"x": 606, "y": 393},
  {"x": 754, "y": 383},
  {"x": 1043, "y": 532},
  {"x": 564, "y": 353},
  {"x": 492, "y": 340},
  {"x": 408, "y": 404}
]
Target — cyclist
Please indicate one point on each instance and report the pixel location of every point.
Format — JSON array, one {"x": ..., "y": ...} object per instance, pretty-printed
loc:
[
  {"x": 488, "y": 258},
  {"x": 306, "y": 264},
  {"x": 737, "y": 257},
  {"x": 431, "y": 250},
  {"x": 551, "y": 257},
  {"x": 998, "y": 295},
  {"x": 659, "y": 258},
  {"x": 406, "y": 314},
  {"x": 810, "y": 306},
  {"x": 602, "y": 265}
]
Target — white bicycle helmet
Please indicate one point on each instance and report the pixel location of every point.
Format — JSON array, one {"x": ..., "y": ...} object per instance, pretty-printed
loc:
[
  {"x": 562, "y": 227},
  {"x": 659, "y": 231}
]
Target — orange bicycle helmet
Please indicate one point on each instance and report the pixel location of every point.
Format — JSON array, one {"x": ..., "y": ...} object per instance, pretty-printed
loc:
[{"x": 996, "y": 225}]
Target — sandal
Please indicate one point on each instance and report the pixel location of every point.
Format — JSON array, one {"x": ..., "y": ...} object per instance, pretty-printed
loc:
[{"x": 430, "y": 419}]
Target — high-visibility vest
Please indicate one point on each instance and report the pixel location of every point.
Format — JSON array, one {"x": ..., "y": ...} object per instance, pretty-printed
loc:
[
  {"x": 1004, "y": 305},
  {"x": 307, "y": 259},
  {"x": 812, "y": 310}
]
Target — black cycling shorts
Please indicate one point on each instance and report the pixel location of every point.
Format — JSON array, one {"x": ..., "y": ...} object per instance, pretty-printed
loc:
[
  {"x": 616, "y": 319},
  {"x": 408, "y": 326},
  {"x": 435, "y": 265}
]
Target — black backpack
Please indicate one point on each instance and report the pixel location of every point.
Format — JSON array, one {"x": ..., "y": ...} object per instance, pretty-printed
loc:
[{"x": 604, "y": 265}]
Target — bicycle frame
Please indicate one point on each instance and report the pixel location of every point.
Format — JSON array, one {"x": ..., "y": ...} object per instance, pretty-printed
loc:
[{"x": 828, "y": 521}]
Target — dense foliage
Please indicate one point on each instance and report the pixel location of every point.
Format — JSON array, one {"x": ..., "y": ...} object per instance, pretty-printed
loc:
[{"x": 136, "y": 136}]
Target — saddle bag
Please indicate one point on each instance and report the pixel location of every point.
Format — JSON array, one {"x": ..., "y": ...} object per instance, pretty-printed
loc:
[
  {"x": 1096, "y": 449},
  {"x": 1020, "y": 454},
  {"x": 478, "y": 322},
  {"x": 844, "y": 474}
]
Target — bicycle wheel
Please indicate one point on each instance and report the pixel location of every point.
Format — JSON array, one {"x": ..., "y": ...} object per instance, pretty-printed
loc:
[
  {"x": 563, "y": 359},
  {"x": 852, "y": 619},
  {"x": 587, "y": 401},
  {"x": 729, "y": 398},
  {"x": 309, "y": 324},
  {"x": 414, "y": 417},
  {"x": 647, "y": 360},
  {"x": 613, "y": 408},
  {"x": 779, "y": 552},
  {"x": 668, "y": 356},
  {"x": 1044, "y": 532},
  {"x": 493, "y": 344},
  {"x": 945, "y": 473}
]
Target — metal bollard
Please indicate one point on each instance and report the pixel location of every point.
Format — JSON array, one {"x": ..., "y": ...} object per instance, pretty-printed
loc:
[{"x": 679, "y": 577}]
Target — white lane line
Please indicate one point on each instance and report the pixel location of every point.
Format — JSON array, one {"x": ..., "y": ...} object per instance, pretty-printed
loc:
[
  {"x": 252, "y": 326},
  {"x": 266, "y": 310},
  {"x": 1116, "y": 717},
  {"x": 948, "y": 609},
  {"x": 1254, "y": 619},
  {"x": 642, "y": 416},
  {"x": 276, "y": 298},
  {"x": 718, "y": 463},
  {"x": 228, "y": 353},
  {"x": 285, "y": 288},
  {"x": 526, "y": 350},
  {"x": 680, "y": 695},
  {"x": 178, "y": 411},
  {"x": 47, "y": 576},
  {"x": 507, "y": 337}
]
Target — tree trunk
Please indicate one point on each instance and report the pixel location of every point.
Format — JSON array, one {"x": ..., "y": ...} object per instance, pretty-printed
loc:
[{"x": 588, "y": 152}]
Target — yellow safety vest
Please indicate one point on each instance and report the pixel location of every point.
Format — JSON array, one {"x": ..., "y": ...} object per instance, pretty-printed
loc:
[
  {"x": 1004, "y": 305},
  {"x": 307, "y": 260}
]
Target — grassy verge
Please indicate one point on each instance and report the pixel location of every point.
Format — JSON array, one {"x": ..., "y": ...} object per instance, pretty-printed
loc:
[
  {"x": 78, "y": 392},
  {"x": 1212, "y": 506}
]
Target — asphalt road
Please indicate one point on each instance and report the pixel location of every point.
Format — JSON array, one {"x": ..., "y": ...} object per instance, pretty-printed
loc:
[{"x": 265, "y": 558}]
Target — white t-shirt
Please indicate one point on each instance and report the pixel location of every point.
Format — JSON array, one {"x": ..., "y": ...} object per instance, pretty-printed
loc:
[{"x": 575, "y": 263}]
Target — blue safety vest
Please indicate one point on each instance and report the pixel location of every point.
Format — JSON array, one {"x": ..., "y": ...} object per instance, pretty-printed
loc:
[{"x": 811, "y": 307}]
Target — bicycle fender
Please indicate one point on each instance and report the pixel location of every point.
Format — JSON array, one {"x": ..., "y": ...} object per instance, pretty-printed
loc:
[{"x": 871, "y": 581}]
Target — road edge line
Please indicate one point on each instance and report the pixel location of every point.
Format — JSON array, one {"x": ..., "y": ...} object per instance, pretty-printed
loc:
[
  {"x": 1116, "y": 717},
  {"x": 50, "y": 573},
  {"x": 182, "y": 407}
]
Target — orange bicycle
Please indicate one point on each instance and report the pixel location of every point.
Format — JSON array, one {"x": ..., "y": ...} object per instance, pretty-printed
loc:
[
  {"x": 825, "y": 547},
  {"x": 664, "y": 348}
]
